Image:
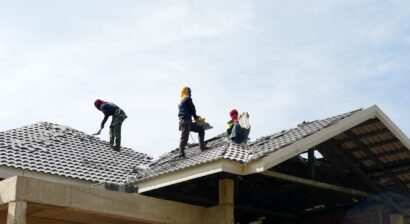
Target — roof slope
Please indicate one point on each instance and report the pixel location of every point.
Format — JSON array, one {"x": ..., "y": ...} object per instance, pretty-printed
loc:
[
  {"x": 222, "y": 148},
  {"x": 60, "y": 150}
]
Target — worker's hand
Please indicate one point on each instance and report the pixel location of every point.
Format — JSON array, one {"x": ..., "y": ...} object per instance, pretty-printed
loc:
[{"x": 199, "y": 118}]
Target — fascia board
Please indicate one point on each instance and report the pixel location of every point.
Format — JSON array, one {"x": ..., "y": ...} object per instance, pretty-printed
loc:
[
  {"x": 221, "y": 165},
  {"x": 306, "y": 143}
]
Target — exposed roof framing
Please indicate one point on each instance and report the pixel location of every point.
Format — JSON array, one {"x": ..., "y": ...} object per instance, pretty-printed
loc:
[{"x": 270, "y": 151}]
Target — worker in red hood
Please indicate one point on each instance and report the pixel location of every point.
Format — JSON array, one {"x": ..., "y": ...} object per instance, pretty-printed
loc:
[
  {"x": 234, "y": 118},
  {"x": 238, "y": 127},
  {"x": 118, "y": 116}
]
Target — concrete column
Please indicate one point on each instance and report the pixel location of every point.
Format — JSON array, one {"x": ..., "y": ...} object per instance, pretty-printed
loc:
[
  {"x": 396, "y": 219},
  {"x": 226, "y": 199},
  {"x": 17, "y": 212}
]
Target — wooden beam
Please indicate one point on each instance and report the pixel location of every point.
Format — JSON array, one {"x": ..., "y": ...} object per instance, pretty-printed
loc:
[
  {"x": 366, "y": 135},
  {"x": 311, "y": 159},
  {"x": 351, "y": 165},
  {"x": 370, "y": 122},
  {"x": 391, "y": 166},
  {"x": 405, "y": 170},
  {"x": 363, "y": 176},
  {"x": 373, "y": 145},
  {"x": 375, "y": 159},
  {"x": 383, "y": 154},
  {"x": 316, "y": 184}
]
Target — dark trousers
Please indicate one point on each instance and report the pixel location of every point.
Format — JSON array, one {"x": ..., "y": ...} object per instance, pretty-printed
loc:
[
  {"x": 239, "y": 134},
  {"x": 185, "y": 126},
  {"x": 115, "y": 127}
]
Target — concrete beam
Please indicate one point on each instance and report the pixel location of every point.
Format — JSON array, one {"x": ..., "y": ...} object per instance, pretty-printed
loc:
[
  {"x": 17, "y": 212},
  {"x": 8, "y": 172},
  {"x": 226, "y": 192},
  {"x": 8, "y": 190},
  {"x": 224, "y": 212},
  {"x": 88, "y": 200},
  {"x": 226, "y": 200}
]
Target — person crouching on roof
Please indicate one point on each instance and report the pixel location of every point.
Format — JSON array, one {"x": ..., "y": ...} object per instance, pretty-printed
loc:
[
  {"x": 238, "y": 127},
  {"x": 186, "y": 112},
  {"x": 118, "y": 116}
]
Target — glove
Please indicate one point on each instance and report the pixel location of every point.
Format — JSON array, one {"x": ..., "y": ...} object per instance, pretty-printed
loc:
[{"x": 199, "y": 118}]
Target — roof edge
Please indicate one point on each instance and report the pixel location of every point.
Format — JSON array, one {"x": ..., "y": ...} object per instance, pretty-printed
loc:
[
  {"x": 265, "y": 163},
  {"x": 205, "y": 169},
  {"x": 392, "y": 127},
  {"x": 305, "y": 144}
]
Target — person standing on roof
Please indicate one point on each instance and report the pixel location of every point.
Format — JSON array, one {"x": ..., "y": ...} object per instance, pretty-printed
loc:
[
  {"x": 118, "y": 116},
  {"x": 238, "y": 127},
  {"x": 186, "y": 112}
]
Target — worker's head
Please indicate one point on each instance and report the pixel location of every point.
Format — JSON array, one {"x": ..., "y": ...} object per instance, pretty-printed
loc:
[
  {"x": 98, "y": 103},
  {"x": 234, "y": 114},
  {"x": 186, "y": 92}
]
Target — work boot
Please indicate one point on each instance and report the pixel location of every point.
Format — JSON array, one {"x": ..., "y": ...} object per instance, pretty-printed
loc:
[
  {"x": 181, "y": 153},
  {"x": 203, "y": 148},
  {"x": 116, "y": 148}
]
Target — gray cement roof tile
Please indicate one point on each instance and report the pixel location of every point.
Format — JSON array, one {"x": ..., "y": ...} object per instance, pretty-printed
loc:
[
  {"x": 222, "y": 147},
  {"x": 60, "y": 150}
]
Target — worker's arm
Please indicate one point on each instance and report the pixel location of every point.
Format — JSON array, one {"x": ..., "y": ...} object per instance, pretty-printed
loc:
[
  {"x": 104, "y": 120},
  {"x": 191, "y": 107}
]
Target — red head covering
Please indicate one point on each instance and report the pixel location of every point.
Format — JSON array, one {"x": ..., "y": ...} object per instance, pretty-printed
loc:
[
  {"x": 234, "y": 115},
  {"x": 98, "y": 103}
]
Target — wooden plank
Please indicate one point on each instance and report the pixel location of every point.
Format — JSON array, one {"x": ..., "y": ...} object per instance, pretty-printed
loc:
[
  {"x": 316, "y": 184},
  {"x": 367, "y": 135},
  {"x": 378, "y": 144},
  {"x": 386, "y": 153},
  {"x": 375, "y": 159}
]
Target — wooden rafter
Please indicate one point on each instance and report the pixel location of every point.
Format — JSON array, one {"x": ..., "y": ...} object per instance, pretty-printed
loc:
[
  {"x": 375, "y": 159},
  {"x": 315, "y": 184},
  {"x": 386, "y": 153},
  {"x": 348, "y": 161},
  {"x": 366, "y": 135},
  {"x": 377, "y": 144}
]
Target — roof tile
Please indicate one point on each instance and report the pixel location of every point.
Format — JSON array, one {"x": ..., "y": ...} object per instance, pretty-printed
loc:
[{"x": 60, "y": 150}]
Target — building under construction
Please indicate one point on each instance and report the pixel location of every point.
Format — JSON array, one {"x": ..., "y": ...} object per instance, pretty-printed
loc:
[{"x": 347, "y": 169}]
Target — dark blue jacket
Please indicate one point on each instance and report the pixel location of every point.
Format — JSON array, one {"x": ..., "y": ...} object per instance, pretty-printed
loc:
[
  {"x": 108, "y": 108},
  {"x": 187, "y": 109}
]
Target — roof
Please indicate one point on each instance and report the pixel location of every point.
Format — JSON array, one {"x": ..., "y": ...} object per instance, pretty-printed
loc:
[
  {"x": 63, "y": 151},
  {"x": 222, "y": 148}
]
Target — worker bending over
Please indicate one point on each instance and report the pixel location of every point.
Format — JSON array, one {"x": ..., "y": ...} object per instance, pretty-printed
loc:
[
  {"x": 238, "y": 127},
  {"x": 118, "y": 116},
  {"x": 186, "y": 112}
]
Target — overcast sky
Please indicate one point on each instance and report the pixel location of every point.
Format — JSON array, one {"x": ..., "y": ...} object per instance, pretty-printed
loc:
[{"x": 282, "y": 61}]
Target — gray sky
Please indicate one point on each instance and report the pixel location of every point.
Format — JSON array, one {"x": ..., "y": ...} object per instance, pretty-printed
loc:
[{"x": 282, "y": 61}]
